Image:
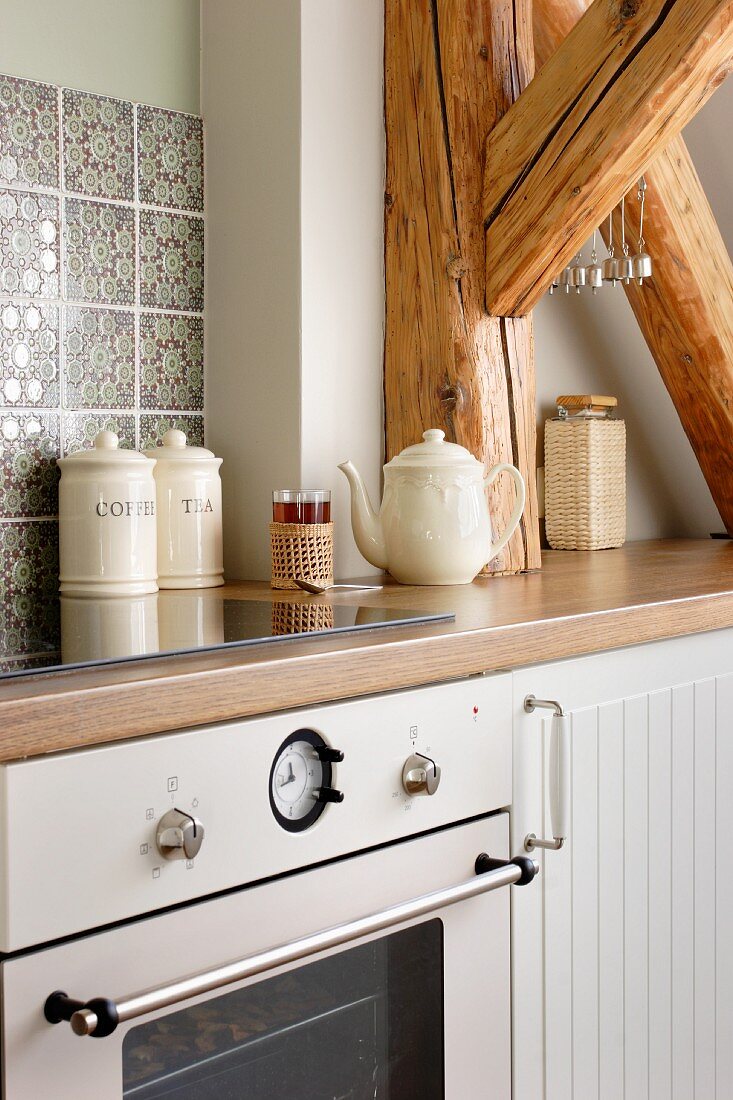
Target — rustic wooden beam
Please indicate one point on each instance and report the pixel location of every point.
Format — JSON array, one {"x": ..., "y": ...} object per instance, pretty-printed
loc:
[
  {"x": 685, "y": 311},
  {"x": 624, "y": 82},
  {"x": 452, "y": 68}
]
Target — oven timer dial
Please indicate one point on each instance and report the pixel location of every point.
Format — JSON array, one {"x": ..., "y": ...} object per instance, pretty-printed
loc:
[{"x": 301, "y": 780}]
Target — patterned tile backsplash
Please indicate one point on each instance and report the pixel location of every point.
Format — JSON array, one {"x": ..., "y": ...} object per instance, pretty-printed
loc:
[{"x": 101, "y": 311}]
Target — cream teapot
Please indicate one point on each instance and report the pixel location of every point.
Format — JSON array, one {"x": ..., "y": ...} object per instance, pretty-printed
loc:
[{"x": 433, "y": 526}]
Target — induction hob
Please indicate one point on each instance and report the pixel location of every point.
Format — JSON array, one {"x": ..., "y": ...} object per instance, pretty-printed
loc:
[{"x": 102, "y": 631}]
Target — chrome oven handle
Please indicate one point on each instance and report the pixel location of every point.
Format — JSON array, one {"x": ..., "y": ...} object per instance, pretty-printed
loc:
[{"x": 99, "y": 1017}]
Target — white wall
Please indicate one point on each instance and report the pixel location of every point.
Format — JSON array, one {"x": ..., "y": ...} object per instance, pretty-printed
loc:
[
  {"x": 146, "y": 50},
  {"x": 250, "y": 96},
  {"x": 342, "y": 253},
  {"x": 292, "y": 99}
]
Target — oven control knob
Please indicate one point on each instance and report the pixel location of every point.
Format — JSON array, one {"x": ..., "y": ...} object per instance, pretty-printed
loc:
[
  {"x": 420, "y": 775},
  {"x": 179, "y": 835}
]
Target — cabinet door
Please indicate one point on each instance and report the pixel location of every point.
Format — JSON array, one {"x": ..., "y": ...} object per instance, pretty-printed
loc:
[{"x": 623, "y": 957}]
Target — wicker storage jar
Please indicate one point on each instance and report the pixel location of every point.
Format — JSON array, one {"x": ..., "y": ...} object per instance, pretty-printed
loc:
[
  {"x": 301, "y": 550},
  {"x": 585, "y": 475}
]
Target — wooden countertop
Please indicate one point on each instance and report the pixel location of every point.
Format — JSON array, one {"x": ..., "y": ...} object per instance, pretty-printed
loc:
[{"x": 579, "y": 603}]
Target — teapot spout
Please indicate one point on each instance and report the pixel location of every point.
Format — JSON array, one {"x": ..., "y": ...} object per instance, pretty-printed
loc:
[{"x": 366, "y": 524}]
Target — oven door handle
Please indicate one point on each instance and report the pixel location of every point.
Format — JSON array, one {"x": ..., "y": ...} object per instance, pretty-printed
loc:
[{"x": 99, "y": 1017}]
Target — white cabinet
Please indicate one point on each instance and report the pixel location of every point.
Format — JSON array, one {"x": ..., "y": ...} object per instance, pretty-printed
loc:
[{"x": 623, "y": 949}]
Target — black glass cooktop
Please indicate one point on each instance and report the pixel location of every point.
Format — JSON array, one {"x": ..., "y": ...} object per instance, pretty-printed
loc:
[{"x": 100, "y": 631}]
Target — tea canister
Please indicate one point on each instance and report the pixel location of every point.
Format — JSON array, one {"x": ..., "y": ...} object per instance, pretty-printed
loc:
[
  {"x": 107, "y": 533},
  {"x": 189, "y": 514}
]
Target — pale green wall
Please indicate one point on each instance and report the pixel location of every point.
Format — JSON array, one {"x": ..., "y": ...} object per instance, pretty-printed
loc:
[{"x": 146, "y": 50}]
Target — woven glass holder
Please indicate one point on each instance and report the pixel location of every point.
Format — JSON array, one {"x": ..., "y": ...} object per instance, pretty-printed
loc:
[
  {"x": 301, "y": 550},
  {"x": 585, "y": 483}
]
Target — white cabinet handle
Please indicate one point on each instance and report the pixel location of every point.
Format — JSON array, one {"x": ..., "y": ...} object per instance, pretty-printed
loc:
[{"x": 559, "y": 778}]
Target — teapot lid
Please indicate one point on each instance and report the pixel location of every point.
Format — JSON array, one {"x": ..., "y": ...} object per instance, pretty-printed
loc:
[
  {"x": 434, "y": 451},
  {"x": 173, "y": 446},
  {"x": 106, "y": 450}
]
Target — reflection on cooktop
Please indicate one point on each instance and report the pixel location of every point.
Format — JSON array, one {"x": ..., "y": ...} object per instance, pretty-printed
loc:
[{"x": 99, "y": 631}]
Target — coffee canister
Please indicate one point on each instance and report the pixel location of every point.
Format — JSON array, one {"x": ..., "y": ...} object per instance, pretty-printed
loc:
[
  {"x": 189, "y": 514},
  {"x": 107, "y": 517}
]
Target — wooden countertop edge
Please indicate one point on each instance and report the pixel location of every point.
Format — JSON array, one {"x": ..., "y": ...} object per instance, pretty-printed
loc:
[{"x": 97, "y": 715}]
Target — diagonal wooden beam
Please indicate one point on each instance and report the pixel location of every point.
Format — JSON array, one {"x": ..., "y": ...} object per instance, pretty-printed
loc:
[
  {"x": 686, "y": 311},
  {"x": 624, "y": 82}
]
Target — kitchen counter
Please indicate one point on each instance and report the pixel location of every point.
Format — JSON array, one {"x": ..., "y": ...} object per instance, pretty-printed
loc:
[{"x": 579, "y": 603}]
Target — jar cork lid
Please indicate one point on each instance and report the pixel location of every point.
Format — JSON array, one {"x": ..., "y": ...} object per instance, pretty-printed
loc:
[{"x": 585, "y": 404}]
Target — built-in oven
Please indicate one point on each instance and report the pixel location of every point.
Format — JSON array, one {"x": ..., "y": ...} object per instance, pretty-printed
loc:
[{"x": 366, "y": 954}]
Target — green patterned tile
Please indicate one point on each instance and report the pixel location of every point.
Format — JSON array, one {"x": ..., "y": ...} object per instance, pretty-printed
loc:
[
  {"x": 29, "y": 133},
  {"x": 153, "y": 427},
  {"x": 98, "y": 142},
  {"x": 79, "y": 429},
  {"x": 29, "y": 244},
  {"x": 29, "y": 354},
  {"x": 29, "y": 447},
  {"x": 171, "y": 362},
  {"x": 171, "y": 261},
  {"x": 99, "y": 360},
  {"x": 29, "y": 569},
  {"x": 170, "y": 159},
  {"x": 100, "y": 253}
]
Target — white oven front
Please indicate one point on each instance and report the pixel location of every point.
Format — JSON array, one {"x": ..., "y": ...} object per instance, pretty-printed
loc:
[{"x": 419, "y": 1009}]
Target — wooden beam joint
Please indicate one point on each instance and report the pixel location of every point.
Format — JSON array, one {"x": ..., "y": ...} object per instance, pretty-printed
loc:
[{"x": 624, "y": 82}]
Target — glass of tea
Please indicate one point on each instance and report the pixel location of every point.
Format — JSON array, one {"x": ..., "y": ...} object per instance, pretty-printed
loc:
[{"x": 301, "y": 505}]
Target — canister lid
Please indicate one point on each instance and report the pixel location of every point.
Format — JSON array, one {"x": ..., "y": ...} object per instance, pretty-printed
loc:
[
  {"x": 173, "y": 449},
  {"x": 106, "y": 450}
]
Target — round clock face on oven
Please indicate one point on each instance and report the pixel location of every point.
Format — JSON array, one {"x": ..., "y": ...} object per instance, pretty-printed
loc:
[{"x": 300, "y": 780}]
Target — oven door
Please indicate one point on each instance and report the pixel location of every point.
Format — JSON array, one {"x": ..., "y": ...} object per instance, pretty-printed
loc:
[{"x": 418, "y": 1009}]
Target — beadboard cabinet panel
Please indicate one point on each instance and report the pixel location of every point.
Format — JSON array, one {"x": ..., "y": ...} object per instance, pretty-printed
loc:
[{"x": 623, "y": 958}]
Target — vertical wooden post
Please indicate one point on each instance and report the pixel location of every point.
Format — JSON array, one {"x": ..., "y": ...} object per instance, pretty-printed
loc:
[{"x": 452, "y": 68}]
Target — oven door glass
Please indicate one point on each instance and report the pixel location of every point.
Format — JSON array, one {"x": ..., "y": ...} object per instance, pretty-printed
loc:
[{"x": 349, "y": 1025}]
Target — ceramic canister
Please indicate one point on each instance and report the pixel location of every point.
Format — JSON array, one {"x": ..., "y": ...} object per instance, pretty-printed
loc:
[
  {"x": 189, "y": 514},
  {"x": 107, "y": 513}
]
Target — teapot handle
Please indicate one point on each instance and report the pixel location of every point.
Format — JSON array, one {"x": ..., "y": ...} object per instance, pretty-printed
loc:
[{"x": 518, "y": 507}]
